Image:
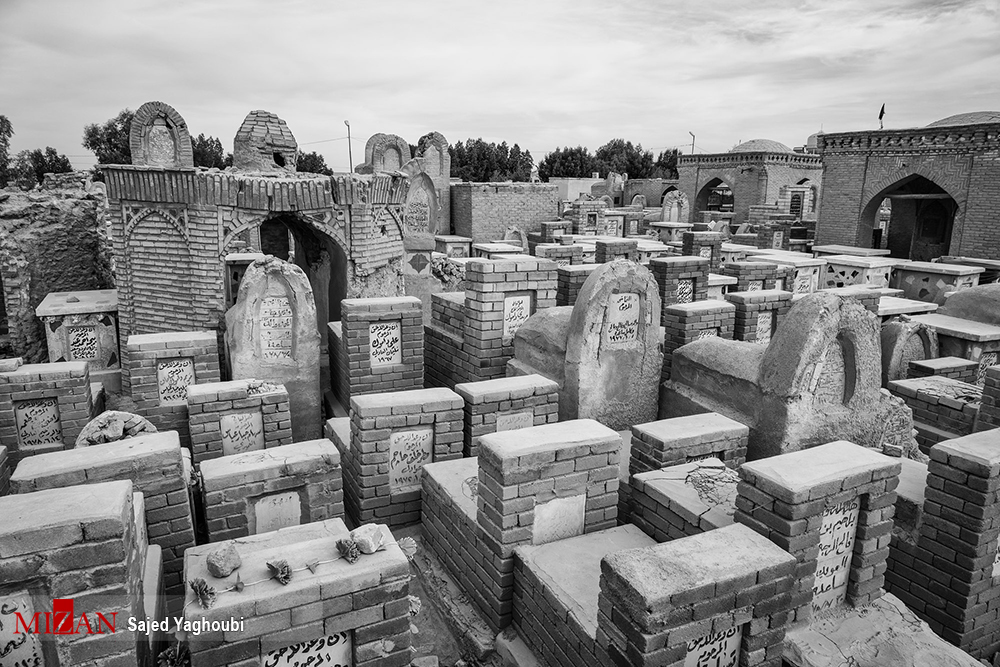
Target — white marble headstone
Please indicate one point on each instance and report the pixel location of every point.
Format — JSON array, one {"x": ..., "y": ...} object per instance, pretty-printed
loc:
[
  {"x": 276, "y": 323},
  {"x": 408, "y": 452},
  {"x": 19, "y": 648},
  {"x": 558, "y": 519},
  {"x": 836, "y": 550},
  {"x": 172, "y": 379},
  {"x": 385, "y": 344},
  {"x": 622, "y": 319},
  {"x": 516, "y": 311},
  {"x": 241, "y": 432}
]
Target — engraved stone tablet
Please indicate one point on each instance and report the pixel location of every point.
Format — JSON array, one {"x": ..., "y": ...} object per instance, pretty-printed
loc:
[
  {"x": 986, "y": 360},
  {"x": 37, "y": 421},
  {"x": 275, "y": 328},
  {"x": 385, "y": 344},
  {"x": 622, "y": 319},
  {"x": 172, "y": 378},
  {"x": 705, "y": 251},
  {"x": 777, "y": 240},
  {"x": 241, "y": 432},
  {"x": 516, "y": 310},
  {"x": 408, "y": 452},
  {"x": 82, "y": 343},
  {"x": 708, "y": 333},
  {"x": 721, "y": 649},
  {"x": 515, "y": 420},
  {"x": 765, "y": 321},
  {"x": 558, "y": 519},
  {"x": 836, "y": 549},
  {"x": 685, "y": 291},
  {"x": 803, "y": 283},
  {"x": 18, "y": 647},
  {"x": 755, "y": 286},
  {"x": 280, "y": 510},
  {"x": 331, "y": 651}
]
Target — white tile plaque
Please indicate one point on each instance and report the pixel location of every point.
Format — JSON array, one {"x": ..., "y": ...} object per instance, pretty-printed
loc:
[
  {"x": 279, "y": 510},
  {"x": 275, "y": 328},
  {"x": 622, "y": 319},
  {"x": 516, "y": 310},
  {"x": 241, "y": 432},
  {"x": 777, "y": 240},
  {"x": 765, "y": 320},
  {"x": 82, "y": 343},
  {"x": 515, "y": 420},
  {"x": 331, "y": 651},
  {"x": 558, "y": 519},
  {"x": 19, "y": 648},
  {"x": 705, "y": 251},
  {"x": 755, "y": 286},
  {"x": 408, "y": 452},
  {"x": 385, "y": 344},
  {"x": 37, "y": 421},
  {"x": 721, "y": 649},
  {"x": 685, "y": 291},
  {"x": 172, "y": 379},
  {"x": 836, "y": 549}
]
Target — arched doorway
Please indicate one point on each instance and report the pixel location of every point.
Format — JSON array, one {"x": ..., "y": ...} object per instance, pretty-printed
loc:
[
  {"x": 921, "y": 220},
  {"x": 716, "y": 195},
  {"x": 288, "y": 237},
  {"x": 666, "y": 192}
]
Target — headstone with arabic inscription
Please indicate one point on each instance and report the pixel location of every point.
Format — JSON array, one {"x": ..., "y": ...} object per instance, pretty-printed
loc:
[
  {"x": 516, "y": 311},
  {"x": 836, "y": 550},
  {"x": 276, "y": 511},
  {"x": 17, "y": 645},
  {"x": 241, "y": 432},
  {"x": 408, "y": 452},
  {"x": 331, "y": 651},
  {"x": 37, "y": 421},
  {"x": 172, "y": 379},
  {"x": 385, "y": 344},
  {"x": 272, "y": 335}
]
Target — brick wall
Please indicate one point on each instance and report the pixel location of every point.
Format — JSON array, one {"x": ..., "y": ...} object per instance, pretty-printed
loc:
[
  {"x": 758, "y": 314},
  {"x": 669, "y": 442},
  {"x": 955, "y": 368},
  {"x": 302, "y": 480},
  {"x": 752, "y": 275},
  {"x": 687, "y": 322},
  {"x": 570, "y": 280},
  {"x": 562, "y": 255},
  {"x": 484, "y": 211},
  {"x": 989, "y": 408},
  {"x": 682, "y": 500},
  {"x": 506, "y": 404},
  {"x": 231, "y": 417},
  {"x": 4, "y": 472},
  {"x": 942, "y": 408}
]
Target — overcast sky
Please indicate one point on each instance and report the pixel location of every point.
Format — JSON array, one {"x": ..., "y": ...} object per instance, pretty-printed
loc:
[{"x": 542, "y": 73}]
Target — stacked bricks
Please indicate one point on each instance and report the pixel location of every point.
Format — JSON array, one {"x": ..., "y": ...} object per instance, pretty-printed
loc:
[
  {"x": 609, "y": 251},
  {"x": 774, "y": 235},
  {"x": 989, "y": 408},
  {"x": 732, "y": 609},
  {"x": 43, "y": 407},
  {"x": 483, "y": 211},
  {"x": 670, "y": 503},
  {"x": 160, "y": 368},
  {"x": 688, "y": 322},
  {"x": 670, "y": 442},
  {"x": 550, "y": 233},
  {"x": 78, "y": 543},
  {"x": 4, "y": 472},
  {"x": 571, "y": 280},
  {"x": 240, "y": 415},
  {"x": 942, "y": 408},
  {"x": 752, "y": 276},
  {"x": 336, "y": 613},
  {"x": 257, "y": 492},
  {"x": 377, "y": 346},
  {"x": 785, "y": 277},
  {"x": 949, "y": 577},
  {"x": 157, "y": 467},
  {"x": 955, "y": 368},
  {"x": 586, "y": 216},
  {"x": 681, "y": 279},
  {"x": 803, "y": 499},
  {"x": 758, "y": 314},
  {"x": 562, "y": 255},
  {"x": 392, "y": 436},
  {"x": 501, "y": 295},
  {"x": 506, "y": 404},
  {"x": 704, "y": 244}
]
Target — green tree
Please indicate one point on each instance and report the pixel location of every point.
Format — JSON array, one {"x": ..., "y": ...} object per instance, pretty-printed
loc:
[
  {"x": 569, "y": 163},
  {"x": 208, "y": 152},
  {"x": 6, "y": 132},
  {"x": 478, "y": 161},
  {"x": 313, "y": 163},
  {"x": 666, "y": 164},
  {"x": 622, "y": 157},
  {"x": 29, "y": 167},
  {"x": 110, "y": 141}
]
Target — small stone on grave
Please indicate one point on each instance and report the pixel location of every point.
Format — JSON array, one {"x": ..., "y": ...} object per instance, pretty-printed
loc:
[
  {"x": 223, "y": 562},
  {"x": 368, "y": 537}
]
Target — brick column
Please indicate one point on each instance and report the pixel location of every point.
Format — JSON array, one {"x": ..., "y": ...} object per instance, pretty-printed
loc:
[
  {"x": 759, "y": 313},
  {"x": 752, "y": 276},
  {"x": 989, "y": 408},
  {"x": 681, "y": 279},
  {"x": 571, "y": 280},
  {"x": 684, "y": 323},
  {"x": 608, "y": 251},
  {"x": 704, "y": 244},
  {"x": 506, "y": 404}
]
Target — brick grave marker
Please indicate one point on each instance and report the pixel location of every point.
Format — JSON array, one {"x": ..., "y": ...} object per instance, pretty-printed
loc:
[{"x": 228, "y": 418}]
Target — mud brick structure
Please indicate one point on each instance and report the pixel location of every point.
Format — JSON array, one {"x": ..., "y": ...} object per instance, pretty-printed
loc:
[
  {"x": 681, "y": 279},
  {"x": 831, "y": 507},
  {"x": 78, "y": 543},
  {"x": 759, "y": 313},
  {"x": 506, "y": 404},
  {"x": 532, "y": 486},
  {"x": 160, "y": 368},
  {"x": 257, "y": 492},
  {"x": 43, "y": 407},
  {"x": 483, "y": 211},
  {"x": 989, "y": 409},
  {"x": 475, "y": 342},
  {"x": 945, "y": 567},
  {"x": 670, "y": 442},
  {"x": 687, "y": 322},
  {"x": 562, "y": 255},
  {"x": 704, "y": 244},
  {"x": 608, "y": 250},
  {"x": 904, "y": 342},
  {"x": 685, "y": 499},
  {"x": 586, "y": 216},
  {"x": 955, "y": 368},
  {"x": 943, "y": 408},
  {"x": 377, "y": 346},
  {"x": 238, "y": 416},
  {"x": 341, "y": 613},
  {"x": 570, "y": 280},
  {"x": 734, "y": 606},
  {"x": 392, "y": 436},
  {"x": 752, "y": 276},
  {"x": 158, "y": 468}
]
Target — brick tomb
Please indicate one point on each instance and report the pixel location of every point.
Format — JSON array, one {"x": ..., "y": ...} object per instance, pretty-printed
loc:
[
  {"x": 807, "y": 272},
  {"x": 704, "y": 244},
  {"x": 684, "y": 499},
  {"x": 257, "y": 492},
  {"x": 506, "y": 404},
  {"x": 570, "y": 280},
  {"x": 237, "y": 416},
  {"x": 932, "y": 281},
  {"x": 957, "y": 337},
  {"x": 846, "y": 270},
  {"x": 687, "y": 322},
  {"x": 328, "y": 611},
  {"x": 83, "y": 326},
  {"x": 758, "y": 313},
  {"x": 680, "y": 279},
  {"x": 942, "y": 408}
]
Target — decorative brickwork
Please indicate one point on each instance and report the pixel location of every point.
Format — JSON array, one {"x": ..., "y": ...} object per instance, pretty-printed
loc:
[{"x": 227, "y": 418}]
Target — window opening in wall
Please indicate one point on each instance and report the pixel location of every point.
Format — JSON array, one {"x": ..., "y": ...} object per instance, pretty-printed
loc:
[
  {"x": 795, "y": 205},
  {"x": 279, "y": 159}
]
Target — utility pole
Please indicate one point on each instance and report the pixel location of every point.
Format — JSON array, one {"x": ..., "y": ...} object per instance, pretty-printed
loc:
[
  {"x": 350, "y": 155},
  {"x": 692, "y": 141}
]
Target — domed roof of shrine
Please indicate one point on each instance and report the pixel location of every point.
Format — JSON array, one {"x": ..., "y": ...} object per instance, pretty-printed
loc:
[
  {"x": 761, "y": 146},
  {"x": 973, "y": 118}
]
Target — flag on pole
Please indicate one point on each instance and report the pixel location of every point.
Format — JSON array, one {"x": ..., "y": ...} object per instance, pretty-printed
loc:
[{"x": 881, "y": 114}]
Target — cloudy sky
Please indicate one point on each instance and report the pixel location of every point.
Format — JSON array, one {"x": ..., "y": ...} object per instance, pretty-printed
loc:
[{"x": 542, "y": 73}]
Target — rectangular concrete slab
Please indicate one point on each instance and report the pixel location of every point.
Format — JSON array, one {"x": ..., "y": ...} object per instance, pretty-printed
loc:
[
  {"x": 894, "y": 305},
  {"x": 548, "y": 437},
  {"x": 981, "y": 450},
  {"x": 459, "y": 478},
  {"x": 956, "y": 327},
  {"x": 520, "y": 386},
  {"x": 246, "y": 467},
  {"x": 692, "y": 429},
  {"x": 76, "y": 303},
  {"x": 835, "y": 249},
  {"x": 703, "y": 493}
]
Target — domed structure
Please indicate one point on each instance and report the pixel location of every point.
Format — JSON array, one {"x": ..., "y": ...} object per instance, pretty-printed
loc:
[
  {"x": 761, "y": 146},
  {"x": 972, "y": 118}
]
